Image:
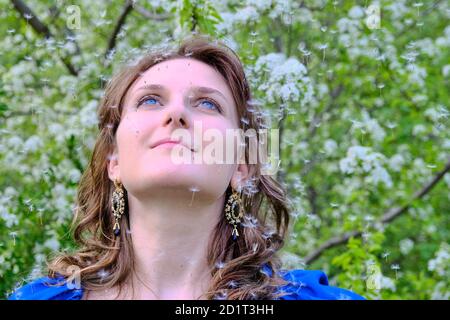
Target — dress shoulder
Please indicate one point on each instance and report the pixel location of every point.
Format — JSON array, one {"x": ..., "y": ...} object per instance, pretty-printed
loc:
[
  {"x": 312, "y": 285},
  {"x": 47, "y": 288},
  {"x": 309, "y": 285},
  {"x": 303, "y": 285}
]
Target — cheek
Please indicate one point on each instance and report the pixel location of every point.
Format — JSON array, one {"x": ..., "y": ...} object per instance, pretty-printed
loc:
[
  {"x": 222, "y": 138},
  {"x": 129, "y": 133},
  {"x": 134, "y": 123},
  {"x": 218, "y": 125}
]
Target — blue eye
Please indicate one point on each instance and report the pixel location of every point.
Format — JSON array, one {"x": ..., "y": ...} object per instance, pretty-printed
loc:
[
  {"x": 215, "y": 105},
  {"x": 147, "y": 101}
]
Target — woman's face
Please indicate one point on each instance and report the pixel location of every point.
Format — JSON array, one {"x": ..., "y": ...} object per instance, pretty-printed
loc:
[{"x": 151, "y": 113}]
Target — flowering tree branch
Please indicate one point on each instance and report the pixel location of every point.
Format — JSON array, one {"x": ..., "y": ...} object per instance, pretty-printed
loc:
[
  {"x": 40, "y": 28},
  {"x": 387, "y": 217},
  {"x": 127, "y": 8},
  {"x": 34, "y": 21},
  {"x": 54, "y": 14},
  {"x": 147, "y": 14},
  {"x": 120, "y": 22}
]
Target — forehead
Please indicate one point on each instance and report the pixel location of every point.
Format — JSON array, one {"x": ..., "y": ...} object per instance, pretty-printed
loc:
[{"x": 181, "y": 73}]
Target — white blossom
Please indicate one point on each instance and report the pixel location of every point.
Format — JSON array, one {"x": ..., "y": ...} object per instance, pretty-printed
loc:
[
  {"x": 33, "y": 143},
  {"x": 74, "y": 175},
  {"x": 406, "y": 245},
  {"x": 260, "y": 4},
  {"x": 288, "y": 79},
  {"x": 361, "y": 159},
  {"x": 227, "y": 24},
  {"x": 15, "y": 142},
  {"x": 356, "y": 12},
  {"x": 246, "y": 14},
  {"x": 52, "y": 243},
  {"x": 441, "y": 262},
  {"x": 373, "y": 127},
  {"x": 419, "y": 129},
  {"x": 292, "y": 261},
  {"x": 396, "y": 162},
  {"x": 417, "y": 75},
  {"x": 387, "y": 283},
  {"x": 446, "y": 70},
  {"x": 88, "y": 115},
  {"x": 330, "y": 146},
  {"x": 380, "y": 174}
]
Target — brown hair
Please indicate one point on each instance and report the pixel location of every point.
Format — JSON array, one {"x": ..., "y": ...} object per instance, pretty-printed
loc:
[{"x": 241, "y": 277}]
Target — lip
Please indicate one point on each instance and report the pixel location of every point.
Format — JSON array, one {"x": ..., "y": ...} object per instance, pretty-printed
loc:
[{"x": 168, "y": 143}]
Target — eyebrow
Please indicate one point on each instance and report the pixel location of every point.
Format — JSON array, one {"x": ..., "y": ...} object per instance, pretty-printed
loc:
[{"x": 194, "y": 88}]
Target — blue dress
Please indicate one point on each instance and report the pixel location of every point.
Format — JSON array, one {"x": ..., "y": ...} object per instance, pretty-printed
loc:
[{"x": 303, "y": 285}]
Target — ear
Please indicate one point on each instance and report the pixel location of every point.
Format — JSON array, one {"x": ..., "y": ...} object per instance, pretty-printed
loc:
[
  {"x": 113, "y": 165},
  {"x": 239, "y": 177}
]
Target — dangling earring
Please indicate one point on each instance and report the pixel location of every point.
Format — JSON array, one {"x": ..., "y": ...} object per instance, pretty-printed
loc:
[
  {"x": 118, "y": 206},
  {"x": 234, "y": 212}
]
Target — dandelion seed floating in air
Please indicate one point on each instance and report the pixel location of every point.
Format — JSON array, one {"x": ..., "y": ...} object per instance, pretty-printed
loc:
[
  {"x": 395, "y": 267},
  {"x": 13, "y": 234},
  {"x": 335, "y": 3},
  {"x": 334, "y": 205},
  {"x": 40, "y": 214},
  {"x": 245, "y": 121},
  {"x": 390, "y": 125},
  {"x": 221, "y": 296},
  {"x": 102, "y": 275},
  {"x": 220, "y": 265},
  {"x": 254, "y": 296},
  {"x": 193, "y": 190},
  {"x": 418, "y": 5},
  {"x": 306, "y": 55},
  {"x": 252, "y": 42},
  {"x": 380, "y": 86},
  {"x": 28, "y": 17},
  {"x": 323, "y": 47}
]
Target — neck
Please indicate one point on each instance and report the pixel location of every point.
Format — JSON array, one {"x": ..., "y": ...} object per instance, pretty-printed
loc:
[{"x": 170, "y": 239}]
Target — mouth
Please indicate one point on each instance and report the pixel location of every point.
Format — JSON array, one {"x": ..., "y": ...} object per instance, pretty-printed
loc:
[{"x": 170, "y": 144}]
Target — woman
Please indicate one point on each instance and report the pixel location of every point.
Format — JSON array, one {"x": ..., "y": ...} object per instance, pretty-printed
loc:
[{"x": 150, "y": 228}]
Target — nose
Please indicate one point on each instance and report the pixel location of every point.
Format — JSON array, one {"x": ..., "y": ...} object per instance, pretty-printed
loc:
[{"x": 176, "y": 115}]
